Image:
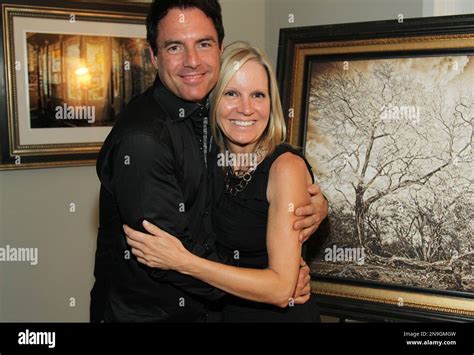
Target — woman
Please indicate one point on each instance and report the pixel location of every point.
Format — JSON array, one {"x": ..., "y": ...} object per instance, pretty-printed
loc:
[{"x": 256, "y": 192}]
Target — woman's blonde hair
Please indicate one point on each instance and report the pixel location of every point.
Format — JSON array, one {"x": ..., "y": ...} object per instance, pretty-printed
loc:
[{"x": 234, "y": 57}]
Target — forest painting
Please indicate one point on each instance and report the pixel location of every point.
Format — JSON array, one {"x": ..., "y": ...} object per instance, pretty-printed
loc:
[
  {"x": 391, "y": 140},
  {"x": 84, "y": 81}
]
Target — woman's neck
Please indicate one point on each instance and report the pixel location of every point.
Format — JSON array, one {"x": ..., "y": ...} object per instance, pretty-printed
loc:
[
  {"x": 246, "y": 157},
  {"x": 238, "y": 149}
]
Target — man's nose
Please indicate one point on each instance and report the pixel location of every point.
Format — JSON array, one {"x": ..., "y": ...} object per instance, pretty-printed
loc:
[{"x": 192, "y": 59}]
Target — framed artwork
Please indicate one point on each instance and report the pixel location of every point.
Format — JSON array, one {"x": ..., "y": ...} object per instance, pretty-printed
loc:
[
  {"x": 68, "y": 70},
  {"x": 384, "y": 111}
]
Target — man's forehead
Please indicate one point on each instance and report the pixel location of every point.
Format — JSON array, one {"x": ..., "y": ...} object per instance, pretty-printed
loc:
[
  {"x": 185, "y": 17},
  {"x": 181, "y": 24}
]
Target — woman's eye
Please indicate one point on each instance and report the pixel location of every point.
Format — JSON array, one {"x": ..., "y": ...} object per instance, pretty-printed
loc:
[
  {"x": 259, "y": 95},
  {"x": 230, "y": 93}
]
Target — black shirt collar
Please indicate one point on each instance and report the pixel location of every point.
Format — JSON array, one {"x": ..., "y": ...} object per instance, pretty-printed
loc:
[{"x": 174, "y": 105}]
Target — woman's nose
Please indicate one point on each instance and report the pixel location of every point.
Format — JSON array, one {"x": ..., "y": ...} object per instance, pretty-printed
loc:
[{"x": 245, "y": 106}]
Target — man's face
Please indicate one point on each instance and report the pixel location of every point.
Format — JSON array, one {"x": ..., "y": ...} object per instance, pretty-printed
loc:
[{"x": 188, "y": 59}]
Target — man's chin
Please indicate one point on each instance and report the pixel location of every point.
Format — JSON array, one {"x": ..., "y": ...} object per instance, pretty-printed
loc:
[{"x": 195, "y": 97}]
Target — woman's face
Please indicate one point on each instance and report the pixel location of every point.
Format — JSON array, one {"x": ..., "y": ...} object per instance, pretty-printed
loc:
[{"x": 244, "y": 108}]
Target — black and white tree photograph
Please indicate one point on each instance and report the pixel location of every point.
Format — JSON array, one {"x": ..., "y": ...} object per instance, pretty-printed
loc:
[{"x": 390, "y": 140}]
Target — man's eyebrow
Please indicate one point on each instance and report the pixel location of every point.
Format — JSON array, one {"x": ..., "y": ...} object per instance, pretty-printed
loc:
[
  {"x": 178, "y": 42},
  {"x": 206, "y": 39},
  {"x": 171, "y": 41}
]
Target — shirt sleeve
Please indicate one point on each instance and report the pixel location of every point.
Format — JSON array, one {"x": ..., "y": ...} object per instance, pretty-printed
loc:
[{"x": 142, "y": 178}]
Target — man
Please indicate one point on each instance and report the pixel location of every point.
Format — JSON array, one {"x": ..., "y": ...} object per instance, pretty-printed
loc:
[{"x": 153, "y": 166}]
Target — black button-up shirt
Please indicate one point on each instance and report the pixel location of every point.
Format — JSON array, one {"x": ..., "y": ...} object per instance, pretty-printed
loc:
[{"x": 152, "y": 166}]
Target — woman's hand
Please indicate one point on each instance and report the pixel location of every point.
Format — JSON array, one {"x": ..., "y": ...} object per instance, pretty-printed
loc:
[{"x": 158, "y": 249}]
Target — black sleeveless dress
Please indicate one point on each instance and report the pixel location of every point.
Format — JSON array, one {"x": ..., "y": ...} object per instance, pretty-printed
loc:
[{"x": 240, "y": 224}]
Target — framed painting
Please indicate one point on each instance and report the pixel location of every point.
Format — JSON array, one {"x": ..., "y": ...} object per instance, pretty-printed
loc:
[
  {"x": 68, "y": 69},
  {"x": 384, "y": 111}
]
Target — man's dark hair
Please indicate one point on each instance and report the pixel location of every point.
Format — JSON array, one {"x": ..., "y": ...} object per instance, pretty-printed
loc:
[{"x": 159, "y": 9}]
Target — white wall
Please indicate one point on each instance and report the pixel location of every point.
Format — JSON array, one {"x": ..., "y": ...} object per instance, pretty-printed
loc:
[
  {"x": 244, "y": 20},
  {"x": 323, "y": 12},
  {"x": 447, "y": 7},
  {"x": 35, "y": 209}
]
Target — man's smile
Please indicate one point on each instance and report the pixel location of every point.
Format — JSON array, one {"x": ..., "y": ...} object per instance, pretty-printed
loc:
[{"x": 193, "y": 78}]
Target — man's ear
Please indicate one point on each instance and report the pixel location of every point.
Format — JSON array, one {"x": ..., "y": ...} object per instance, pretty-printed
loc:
[{"x": 153, "y": 58}]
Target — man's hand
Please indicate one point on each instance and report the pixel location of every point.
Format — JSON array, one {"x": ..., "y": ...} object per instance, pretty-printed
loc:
[
  {"x": 314, "y": 213},
  {"x": 303, "y": 287}
]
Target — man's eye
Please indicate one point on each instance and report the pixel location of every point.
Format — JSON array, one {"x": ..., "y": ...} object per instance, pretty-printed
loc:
[
  {"x": 206, "y": 44},
  {"x": 173, "y": 49}
]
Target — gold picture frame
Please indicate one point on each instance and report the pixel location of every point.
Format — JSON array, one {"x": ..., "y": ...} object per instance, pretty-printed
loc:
[
  {"x": 328, "y": 76},
  {"x": 60, "y": 79}
]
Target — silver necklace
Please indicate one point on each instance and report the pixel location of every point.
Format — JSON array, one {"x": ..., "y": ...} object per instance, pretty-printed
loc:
[{"x": 237, "y": 181}]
